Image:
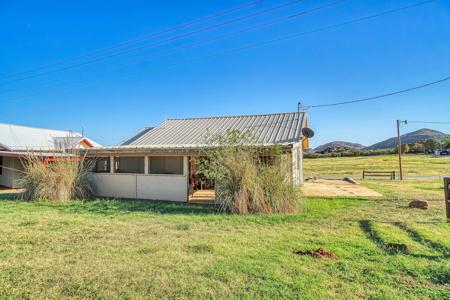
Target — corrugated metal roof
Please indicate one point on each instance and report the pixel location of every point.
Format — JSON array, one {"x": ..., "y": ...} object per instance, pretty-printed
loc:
[
  {"x": 16, "y": 137},
  {"x": 136, "y": 136},
  {"x": 269, "y": 129},
  {"x": 38, "y": 154}
]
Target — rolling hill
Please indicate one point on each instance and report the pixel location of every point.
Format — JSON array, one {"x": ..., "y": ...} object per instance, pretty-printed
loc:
[
  {"x": 338, "y": 146},
  {"x": 420, "y": 135}
]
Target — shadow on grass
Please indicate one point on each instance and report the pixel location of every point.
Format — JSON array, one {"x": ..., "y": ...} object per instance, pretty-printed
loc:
[
  {"x": 391, "y": 248},
  {"x": 314, "y": 209},
  {"x": 120, "y": 206},
  {"x": 416, "y": 236},
  {"x": 107, "y": 207},
  {"x": 9, "y": 196}
]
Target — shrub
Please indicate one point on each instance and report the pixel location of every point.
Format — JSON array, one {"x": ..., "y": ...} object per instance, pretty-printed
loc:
[
  {"x": 249, "y": 179},
  {"x": 60, "y": 180}
]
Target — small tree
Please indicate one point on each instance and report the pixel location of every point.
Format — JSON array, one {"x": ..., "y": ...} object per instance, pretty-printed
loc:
[
  {"x": 248, "y": 179},
  {"x": 431, "y": 145},
  {"x": 418, "y": 148},
  {"x": 405, "y": 148},
  {"x": 446, "y": 142}
]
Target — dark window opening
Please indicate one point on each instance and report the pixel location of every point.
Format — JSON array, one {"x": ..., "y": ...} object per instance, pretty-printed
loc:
[
  {"x": 1, "y": 165},
  {"x": 166, "y": 165},
  {"x": 267, "y": 160},
  {"x": 102, "y": 165},
  {"x": 133, "y": 165}
]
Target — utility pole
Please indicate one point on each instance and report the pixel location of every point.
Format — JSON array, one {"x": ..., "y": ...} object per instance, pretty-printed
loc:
[{"x": 399, "y": 146}]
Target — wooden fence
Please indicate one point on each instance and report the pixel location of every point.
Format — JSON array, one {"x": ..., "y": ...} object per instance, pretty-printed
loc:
[{"x": 390, "y": 174}]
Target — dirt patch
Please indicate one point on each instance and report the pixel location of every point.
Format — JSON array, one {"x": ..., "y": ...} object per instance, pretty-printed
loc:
[
  {"x": 327, "y": 187},
  {"x": 421, "y": 204},
  {"x": 319, "y": 253}
]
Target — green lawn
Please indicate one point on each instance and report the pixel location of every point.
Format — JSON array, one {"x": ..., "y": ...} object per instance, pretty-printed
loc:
[
  {"x": 413, "y": 165},
  {"x": 142, "y": 249}
]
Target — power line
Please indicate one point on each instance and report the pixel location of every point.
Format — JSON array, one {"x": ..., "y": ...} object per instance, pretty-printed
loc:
[
  {"x": 240, "y": 31},
  {"x": 141, "y": 38},
  {"x": 159, "y": 43},
  {"x": 380, "y": 96},
  {"x": 352, "y": 21},
  {"x": 429, "y": 122},
  {"x": 296, "y": 35}
]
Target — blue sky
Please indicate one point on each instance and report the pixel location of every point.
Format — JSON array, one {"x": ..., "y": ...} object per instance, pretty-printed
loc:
[{"x": 113, "y": 98}]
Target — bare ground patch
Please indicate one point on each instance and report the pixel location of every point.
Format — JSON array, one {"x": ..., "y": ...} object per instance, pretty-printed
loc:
[{"x": 327, "y": 187}]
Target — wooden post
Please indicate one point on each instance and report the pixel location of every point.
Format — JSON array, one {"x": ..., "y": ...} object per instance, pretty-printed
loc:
[
  {"x": 111, "y": 164},
  {"x": 296, "y": 177},
  {"x": 399, "y": 149},
  {"x": 447, "y": 197},
  {"x": 146, "y": 165},
  {"x": 300, "y": 163},
  {"x": 186, "y": 173}
]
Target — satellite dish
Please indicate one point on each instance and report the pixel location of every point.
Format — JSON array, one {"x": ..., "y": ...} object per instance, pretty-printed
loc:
[{"x": 307, "y": 132}]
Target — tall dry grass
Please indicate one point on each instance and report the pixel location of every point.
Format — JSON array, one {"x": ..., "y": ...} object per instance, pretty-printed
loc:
[
  {"x": 61, "y": 180},
  {"x": 245, "y": 182}
]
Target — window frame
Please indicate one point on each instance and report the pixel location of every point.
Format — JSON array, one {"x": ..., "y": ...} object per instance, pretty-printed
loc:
[
  {"x": 116, "y": 164},
  {"x": 181, "y": 158},
  {"x": 108, "y": 162}
]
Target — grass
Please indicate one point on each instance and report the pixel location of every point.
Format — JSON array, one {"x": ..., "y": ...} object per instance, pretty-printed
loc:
[
  {"x": 144, "y": 249},
  {"x": 413, "y": 165}
]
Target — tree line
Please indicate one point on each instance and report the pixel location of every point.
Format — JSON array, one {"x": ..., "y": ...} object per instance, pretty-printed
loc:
[{"x": 428, "y": 146}]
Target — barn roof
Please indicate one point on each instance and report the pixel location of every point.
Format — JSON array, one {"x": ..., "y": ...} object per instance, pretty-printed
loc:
[{"x": 268, "y": 129}]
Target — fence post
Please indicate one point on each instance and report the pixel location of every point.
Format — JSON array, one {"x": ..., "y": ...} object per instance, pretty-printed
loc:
[{"x": 447, "y": 197}]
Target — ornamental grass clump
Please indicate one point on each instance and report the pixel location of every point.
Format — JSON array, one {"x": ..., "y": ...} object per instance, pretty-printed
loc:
[
  {"x": 249, "y": 179},
  {"x": 61, "y": 180}
]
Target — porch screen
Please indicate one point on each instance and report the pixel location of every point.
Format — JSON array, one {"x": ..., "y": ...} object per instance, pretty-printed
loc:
[
  {"x": 134, "y": 165},
  {"x": 101, "y": 165},
  {"x": 166, "y": 165}
]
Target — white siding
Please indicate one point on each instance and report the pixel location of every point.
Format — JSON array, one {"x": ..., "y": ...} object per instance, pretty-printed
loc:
[
  {"x": 297, "y": 164},
  {"x": 162, "y": 187},
  {"x": 114, "y": 185},
  {"x": 140, "y": 186}
]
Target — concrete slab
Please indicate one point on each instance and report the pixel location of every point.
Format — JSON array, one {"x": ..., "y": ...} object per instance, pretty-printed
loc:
[
  {"x": 5, "y": 190},
  {"x": 328, "y": 187}
]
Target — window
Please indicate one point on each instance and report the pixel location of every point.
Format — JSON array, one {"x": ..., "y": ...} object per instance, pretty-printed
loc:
[
  {"x": 166, "y": 165},
  {"x": 1, "y": 165},
  {"x": 101, "y": 165},
  {"x": 130, "y": 164}
]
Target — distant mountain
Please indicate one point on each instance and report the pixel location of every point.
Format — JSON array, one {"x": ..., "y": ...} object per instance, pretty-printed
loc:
[
  {"x": 420, "y": 135},
  {"x": 337, "y": 146}
]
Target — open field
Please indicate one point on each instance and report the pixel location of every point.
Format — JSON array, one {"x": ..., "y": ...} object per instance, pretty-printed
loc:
[
  {"x": 413, "y": 165},
  {"x": 129, "y": 249}
]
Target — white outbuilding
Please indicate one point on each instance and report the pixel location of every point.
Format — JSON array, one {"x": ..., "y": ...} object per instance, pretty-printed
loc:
[{"x": 157, "y": 163}]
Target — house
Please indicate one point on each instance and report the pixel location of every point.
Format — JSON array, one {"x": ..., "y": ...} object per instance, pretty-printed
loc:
[
  {"x": 17, "y": 141},
  {"x": 156, "y": 162}
]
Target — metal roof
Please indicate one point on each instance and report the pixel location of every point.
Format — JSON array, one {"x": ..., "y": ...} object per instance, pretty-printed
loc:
[
  {"x": 136, "y": 136},
  {"x": 268, "y": 129},
  {"x": 16, "y": 137},
  {"x": 38, "y": 154}
]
